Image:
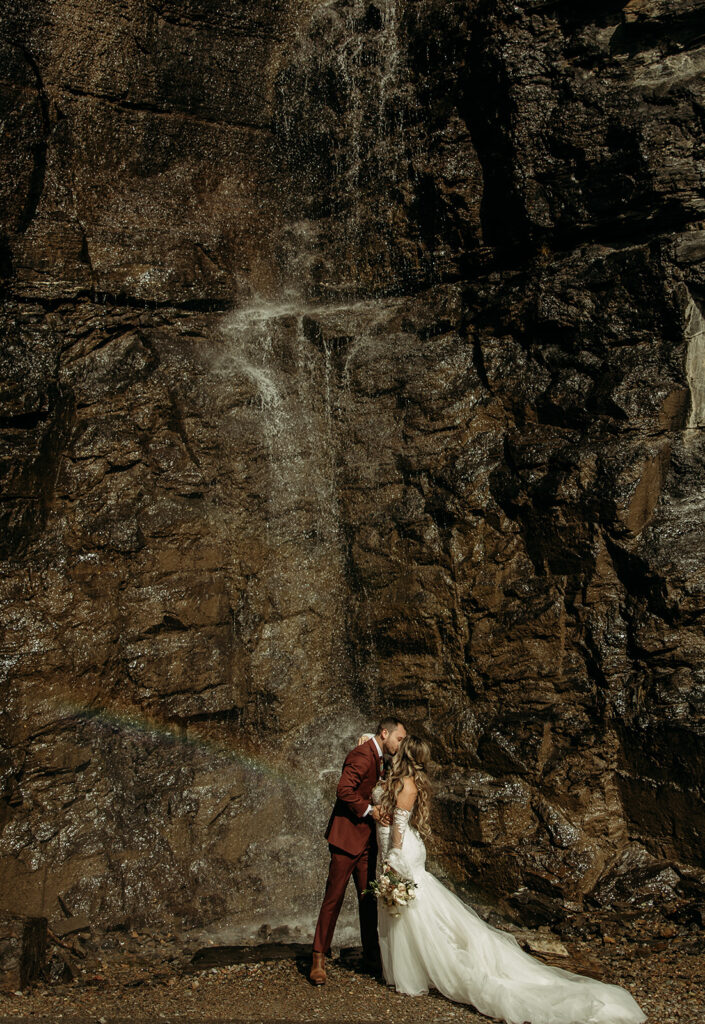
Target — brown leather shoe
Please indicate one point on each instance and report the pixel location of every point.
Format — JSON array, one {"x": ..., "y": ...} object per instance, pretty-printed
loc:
[{"x": 318, "y": 971}]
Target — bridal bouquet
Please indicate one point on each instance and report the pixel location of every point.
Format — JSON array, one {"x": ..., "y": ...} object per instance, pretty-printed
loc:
[{"x": 395, "y": 891}]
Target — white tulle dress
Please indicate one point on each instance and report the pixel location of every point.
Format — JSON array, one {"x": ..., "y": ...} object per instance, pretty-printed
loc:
[{"x": 439, "y": 942}]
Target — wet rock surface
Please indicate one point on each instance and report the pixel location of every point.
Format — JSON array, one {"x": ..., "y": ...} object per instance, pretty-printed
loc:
[{"x": 352, "y": 358}]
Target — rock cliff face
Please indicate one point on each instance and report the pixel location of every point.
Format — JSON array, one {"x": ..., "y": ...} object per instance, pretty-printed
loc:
[{"x": 353, "y": 358}]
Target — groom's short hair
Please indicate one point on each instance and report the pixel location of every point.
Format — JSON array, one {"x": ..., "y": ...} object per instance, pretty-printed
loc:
[{"x": 390, "y": 724}]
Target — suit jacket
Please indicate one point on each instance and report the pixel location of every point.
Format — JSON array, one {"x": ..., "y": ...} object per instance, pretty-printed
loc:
[{"x": 347, "y": 828}]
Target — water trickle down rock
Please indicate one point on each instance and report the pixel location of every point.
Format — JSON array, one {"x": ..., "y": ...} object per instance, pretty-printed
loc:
[{"x": 301, "y": 656}]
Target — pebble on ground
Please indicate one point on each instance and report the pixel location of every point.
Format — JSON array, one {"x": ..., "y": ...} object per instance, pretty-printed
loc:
[{"x": 136, "y": 977}]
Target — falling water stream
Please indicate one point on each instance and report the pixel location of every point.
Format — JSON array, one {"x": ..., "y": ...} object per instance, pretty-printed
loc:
[
  {"x": 291, "y": 352},
  {"x": 292, "y": 348}
]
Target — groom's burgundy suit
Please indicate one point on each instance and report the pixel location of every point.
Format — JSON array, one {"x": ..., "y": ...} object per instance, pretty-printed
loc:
[{"x": 353, "y": 850}]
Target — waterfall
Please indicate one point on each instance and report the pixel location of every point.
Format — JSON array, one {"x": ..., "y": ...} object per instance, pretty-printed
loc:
[
  {"x": 298, "y": 655},
  {"x": 346, "y": 56},
  {"x": 342, "y": 106},
  {"x": 284, "y": 369}
]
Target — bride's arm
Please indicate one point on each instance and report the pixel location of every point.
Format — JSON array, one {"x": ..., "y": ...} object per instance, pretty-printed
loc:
[
  {"x": 406, "y": 799},
  {"x": 402, "y": 813}
]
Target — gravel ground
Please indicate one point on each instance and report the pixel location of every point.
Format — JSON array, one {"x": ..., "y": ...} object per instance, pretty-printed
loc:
[{"x": 130, "y": 977}]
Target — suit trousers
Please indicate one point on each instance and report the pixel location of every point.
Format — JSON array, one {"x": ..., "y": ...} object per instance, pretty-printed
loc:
[{"x": 362, "y": 867}]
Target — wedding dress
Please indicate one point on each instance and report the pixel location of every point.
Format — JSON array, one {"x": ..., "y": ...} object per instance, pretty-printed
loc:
[{"x": 437, "y": 941}]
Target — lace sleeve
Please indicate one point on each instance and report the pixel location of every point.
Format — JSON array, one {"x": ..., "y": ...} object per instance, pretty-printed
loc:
[
  {"x": 399, "y": 823},
  {"x": 395, "y": 856}
]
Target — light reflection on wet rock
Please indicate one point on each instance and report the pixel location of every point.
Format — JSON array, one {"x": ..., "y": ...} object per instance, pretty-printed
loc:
[{"x": 351, "y": 363}]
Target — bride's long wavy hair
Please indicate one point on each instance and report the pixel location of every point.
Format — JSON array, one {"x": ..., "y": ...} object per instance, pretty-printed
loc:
[{"x": 410, "y": 761}]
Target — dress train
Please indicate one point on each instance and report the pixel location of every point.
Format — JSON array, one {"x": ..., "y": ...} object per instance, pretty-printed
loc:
[{"x": 437, "y": 941}]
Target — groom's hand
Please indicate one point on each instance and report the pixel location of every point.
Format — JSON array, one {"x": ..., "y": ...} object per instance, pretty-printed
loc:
[{"x": 380, "y": 816}]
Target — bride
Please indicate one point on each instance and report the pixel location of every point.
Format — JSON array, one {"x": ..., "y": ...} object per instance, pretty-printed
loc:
[{"x": 437, "y": 941}]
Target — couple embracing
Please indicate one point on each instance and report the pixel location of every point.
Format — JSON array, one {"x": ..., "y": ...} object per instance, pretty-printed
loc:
[{"x": 380, "y": 823}]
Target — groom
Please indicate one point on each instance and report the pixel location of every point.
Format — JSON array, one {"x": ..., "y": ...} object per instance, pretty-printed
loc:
[{"x": 353, "y": 844}]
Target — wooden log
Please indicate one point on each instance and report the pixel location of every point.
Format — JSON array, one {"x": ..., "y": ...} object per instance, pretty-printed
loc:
[
  {"x": 34, "y": 947},
  {"x": 220, "y": 956},
  {"x": 23, "y": 946}
]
